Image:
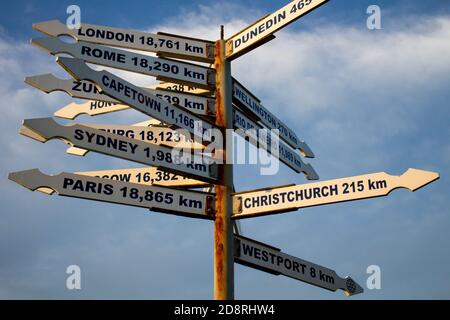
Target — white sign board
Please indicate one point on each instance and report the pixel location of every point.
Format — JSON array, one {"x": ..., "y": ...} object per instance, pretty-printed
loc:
[
  {"x": 257, "y": 33},
  {"x": 154, "y": 134},
  {"x": 282, "y": 199},
  {"x": 164, "y": 69}
]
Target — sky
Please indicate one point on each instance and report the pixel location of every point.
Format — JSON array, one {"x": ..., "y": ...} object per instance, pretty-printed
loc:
[{"x": 364, "y": 100}]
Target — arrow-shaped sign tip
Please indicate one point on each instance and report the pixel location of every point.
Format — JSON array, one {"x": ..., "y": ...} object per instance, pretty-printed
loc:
[
  {"x": 68, "y": 112},
  {"x": 28, "y": 178},
  {"x": 351, "y": 287},
  {"x": 414, "y": 179},
  {"x": 75, "y": 67}
]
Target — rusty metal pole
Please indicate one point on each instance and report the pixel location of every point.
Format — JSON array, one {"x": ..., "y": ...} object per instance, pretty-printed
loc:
[{"x": 223, "y": 226}]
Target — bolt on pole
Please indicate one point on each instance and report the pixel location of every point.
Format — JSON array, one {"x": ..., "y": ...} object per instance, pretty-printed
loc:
[{"x": 223, "y": 226}]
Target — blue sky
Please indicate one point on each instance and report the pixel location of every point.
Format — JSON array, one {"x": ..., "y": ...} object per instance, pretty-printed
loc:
[{"x": 365, "y": 101}]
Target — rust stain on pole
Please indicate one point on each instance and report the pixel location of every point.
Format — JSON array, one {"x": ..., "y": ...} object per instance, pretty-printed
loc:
[{"x": 223, "y": 228}]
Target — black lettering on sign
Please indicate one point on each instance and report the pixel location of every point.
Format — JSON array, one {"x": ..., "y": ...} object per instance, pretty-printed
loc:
[
  {"x": 257, "y": 30},
  {"x": 88, "y": 186},
  {"x": 85, "y": 87},
  {"x": 291, "y": 196},
  {"x": 106, "y": 34},
  {"x": 194, "y": 75}
]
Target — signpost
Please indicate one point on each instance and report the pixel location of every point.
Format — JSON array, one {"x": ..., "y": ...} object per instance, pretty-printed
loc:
[
  {"x": 163, "y": 69},
  {"x": 266, "y": 258},
  {"x": 290, "y": 198},
  {"x": 162, "y": 43},
  {"x": 190, "y": 99},
  {"x": 180, "y": 202},
  {"x": 138, "y": 98},
  {"x": 192, "y": 165}
]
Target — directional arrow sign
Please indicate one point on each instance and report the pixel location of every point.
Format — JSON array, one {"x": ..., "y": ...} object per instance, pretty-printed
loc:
[
  {"x": 196, "y": 104},
  {"x": 167, "y": 44},
  {"x": 266, "y": 258},
  {"x": 290, "y": 198},
  {"x": 101, "y": 103},
  {"x": 82, "y": 152},
  {"x": 262, "y": 138},
  {"x": 182, "y": 162},
  {"x": 91, "y": 108},
  {"x": 33, "y": 135},
  {"x": 246, "y": 100},
  {"x": 164, "y": 69},
  {"x": 138, "y": 98},
  {"x": 257, "y": 33},
  {"x": 181, "y": 202},
  {"x": 146, "y": 176}
]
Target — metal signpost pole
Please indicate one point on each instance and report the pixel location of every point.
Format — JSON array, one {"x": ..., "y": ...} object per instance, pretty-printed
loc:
[{"x": 223, "y": 226}]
